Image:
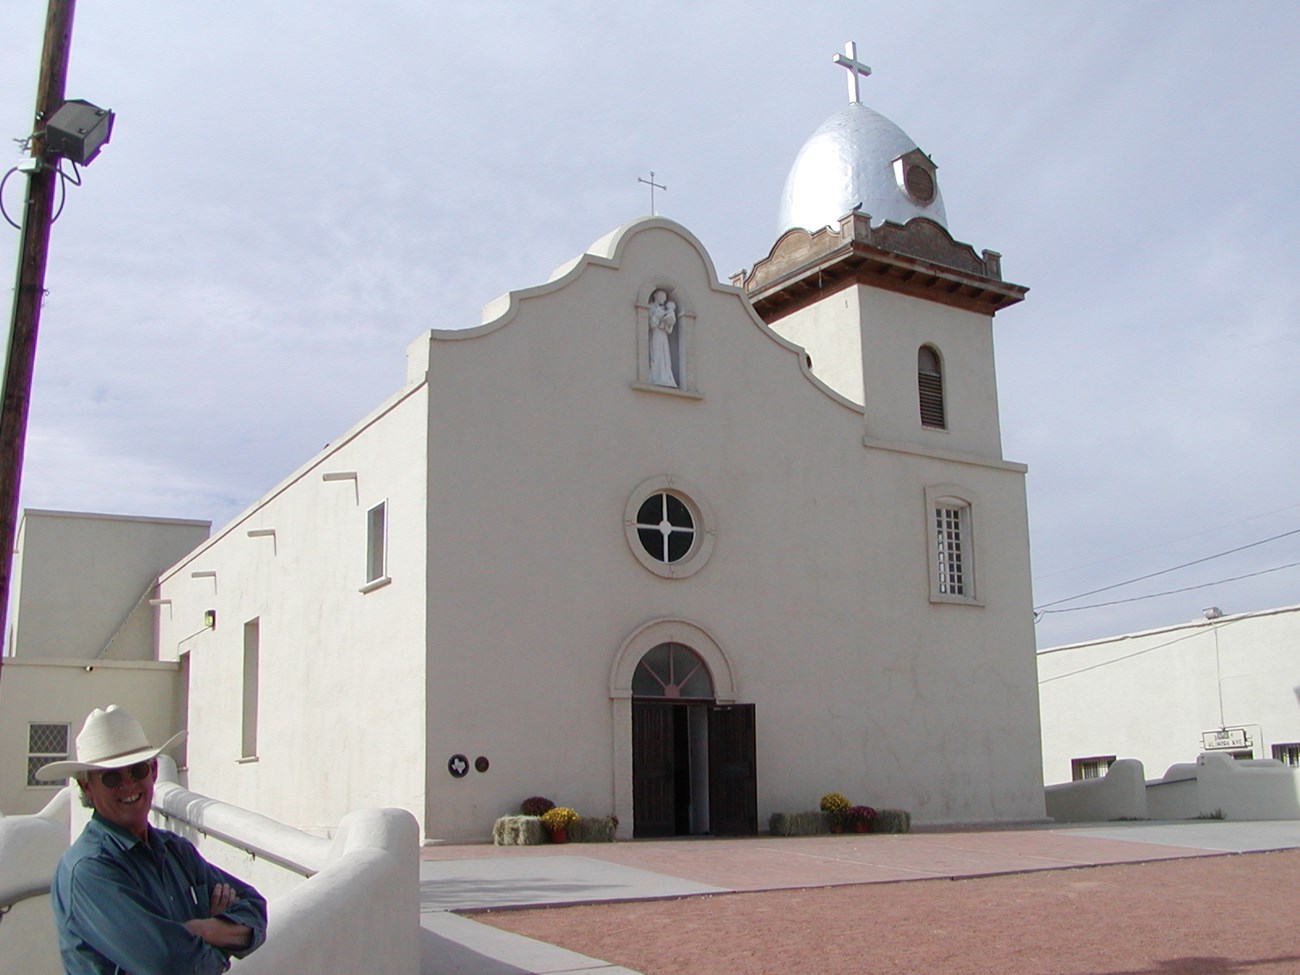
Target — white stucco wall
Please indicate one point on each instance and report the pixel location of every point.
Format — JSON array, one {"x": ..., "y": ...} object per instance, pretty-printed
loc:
[
  {"x": 30, "y": 847},
  {"x": 895, "y": 326},
  {"x": 817, "y": 588},
  {"x": 82, "y": 581},
  {"x": 47, "y": 691},
  {"x": 831, "y": 334},
  {"x": 1152, "y": 695},
  {"x": 341, "y": 677}
]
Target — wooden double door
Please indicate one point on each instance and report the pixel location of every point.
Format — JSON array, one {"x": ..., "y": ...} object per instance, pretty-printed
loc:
[{"x": 693, "y": 769}]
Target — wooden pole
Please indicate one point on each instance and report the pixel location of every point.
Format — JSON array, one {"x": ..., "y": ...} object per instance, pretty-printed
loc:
[{"x": 29, "y": 290}]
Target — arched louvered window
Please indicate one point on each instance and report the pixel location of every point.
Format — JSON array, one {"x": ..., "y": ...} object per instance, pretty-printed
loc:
[{"x": 929, "y": 384}]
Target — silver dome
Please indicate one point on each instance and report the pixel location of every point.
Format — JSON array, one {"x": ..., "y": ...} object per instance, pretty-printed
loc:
[{"x": 850, "y": 162}]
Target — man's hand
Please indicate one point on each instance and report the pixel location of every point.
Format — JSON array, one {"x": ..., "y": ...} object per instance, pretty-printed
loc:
[
  {"x": 223, "y": 895},
  {"x": 214, "y": 930}
]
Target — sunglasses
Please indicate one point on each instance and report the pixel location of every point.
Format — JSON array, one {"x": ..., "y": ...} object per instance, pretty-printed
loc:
[{"x": 138, "y": 773}]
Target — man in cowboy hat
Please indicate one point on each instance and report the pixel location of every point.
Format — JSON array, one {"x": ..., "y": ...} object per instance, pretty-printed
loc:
[{"x": 128, "y": 897}]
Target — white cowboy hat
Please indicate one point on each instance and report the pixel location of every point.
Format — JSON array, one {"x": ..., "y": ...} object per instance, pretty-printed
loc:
[{"x": 111, "y": 738}]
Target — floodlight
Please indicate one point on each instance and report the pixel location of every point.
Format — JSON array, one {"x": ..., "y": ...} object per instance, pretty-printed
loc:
[{"x": 78, "y": 130}]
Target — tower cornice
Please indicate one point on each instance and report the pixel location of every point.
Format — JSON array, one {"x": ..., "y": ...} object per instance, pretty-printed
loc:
[{"x": 919, "y": 258}]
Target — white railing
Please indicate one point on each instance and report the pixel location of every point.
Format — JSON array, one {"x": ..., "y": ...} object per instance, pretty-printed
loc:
[{"x": 30, "y": 847}]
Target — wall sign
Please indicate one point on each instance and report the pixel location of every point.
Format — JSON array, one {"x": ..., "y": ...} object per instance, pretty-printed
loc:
[{"x": 1224, "y": 738}]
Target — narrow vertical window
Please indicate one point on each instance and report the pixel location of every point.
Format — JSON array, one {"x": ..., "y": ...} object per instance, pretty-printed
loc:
[
  {"x": 950, "y": 544},
  {"x": 377, "y": 542},
  {"x": 252, "y": 653},
  {"x": 929, "y": 384},
  {"x": 45, "y": 743},
  {"x": 950, "y": 550}
]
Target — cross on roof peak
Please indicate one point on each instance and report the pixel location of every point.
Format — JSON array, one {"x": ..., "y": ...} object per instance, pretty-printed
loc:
[{"x": 856, "y": 69}]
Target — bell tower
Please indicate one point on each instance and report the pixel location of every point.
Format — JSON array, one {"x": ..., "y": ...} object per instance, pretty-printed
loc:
[{"x": 894, "y": 313}]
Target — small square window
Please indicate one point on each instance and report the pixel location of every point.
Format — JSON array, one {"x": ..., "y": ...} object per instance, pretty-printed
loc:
[{"x": 45, "y": 743}]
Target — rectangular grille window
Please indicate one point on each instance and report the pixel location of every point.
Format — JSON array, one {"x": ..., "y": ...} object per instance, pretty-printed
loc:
[
  {"x": 1090, "y": 768},
  {"x": 948, "y": 537},
  {"x": 1288, "y": 754},
  {"x": 45, "y": 743}
]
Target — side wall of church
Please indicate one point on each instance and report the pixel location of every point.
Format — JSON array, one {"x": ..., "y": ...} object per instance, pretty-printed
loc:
[
  {"x": 338, "y": 685},
  {"x": 817, "y": 588}
]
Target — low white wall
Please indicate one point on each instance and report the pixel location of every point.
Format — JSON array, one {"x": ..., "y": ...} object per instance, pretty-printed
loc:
[
  {"x": 1238, "y": 789},
  {"x": 361, "y": 913},
  {"x": 30, "y": 847},
  {"x": 1244, "y": 790},
  {"x": 335, "y": 907},
  {"x": 1119, "y": 794}
]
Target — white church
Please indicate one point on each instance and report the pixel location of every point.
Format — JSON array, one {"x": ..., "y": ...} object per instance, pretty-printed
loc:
[{"x": 649, "y": 543}]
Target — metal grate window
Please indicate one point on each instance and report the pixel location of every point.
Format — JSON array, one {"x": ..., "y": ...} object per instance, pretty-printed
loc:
[
  {"x": 1090, "y": 768},
  {"x": 950, "y": 551},
  {"x": 1288, "y": 754},
  {"x": 45, "y": 743}
]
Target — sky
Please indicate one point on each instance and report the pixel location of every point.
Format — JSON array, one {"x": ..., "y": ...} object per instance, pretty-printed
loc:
[{"x": 294, "y": 191}]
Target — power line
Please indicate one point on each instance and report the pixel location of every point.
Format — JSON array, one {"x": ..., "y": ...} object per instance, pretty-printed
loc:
[
  {"x": 1168, "y": 592},
  {"x": 1127, "y": 656},
  {"x": 1152, "y": 575}
]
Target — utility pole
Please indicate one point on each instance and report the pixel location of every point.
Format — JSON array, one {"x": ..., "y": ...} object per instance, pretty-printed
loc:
[{"x": 29, "y": 288}]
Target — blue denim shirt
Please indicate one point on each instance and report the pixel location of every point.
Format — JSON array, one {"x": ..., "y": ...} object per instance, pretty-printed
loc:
[{"x": 120, "y": 905}]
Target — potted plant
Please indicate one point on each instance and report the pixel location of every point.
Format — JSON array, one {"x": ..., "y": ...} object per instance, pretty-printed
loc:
[
  {"x": 557, "y": 822},
  {"x": 536, "y": 805},
  {"x": 835, "y": 805},
  {"x": 860, "y": 818}
]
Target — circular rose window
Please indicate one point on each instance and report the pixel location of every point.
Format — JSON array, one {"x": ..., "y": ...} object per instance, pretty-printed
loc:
[{"x": 668, "y": 528}]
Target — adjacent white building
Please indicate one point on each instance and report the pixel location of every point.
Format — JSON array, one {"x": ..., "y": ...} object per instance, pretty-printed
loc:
[
  {"x": 1227, "y": 683},
  {"x": 81, "y": 635}
]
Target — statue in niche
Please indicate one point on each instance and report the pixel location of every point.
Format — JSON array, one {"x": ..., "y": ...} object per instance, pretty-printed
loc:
[{"x": 663, "y": 319}]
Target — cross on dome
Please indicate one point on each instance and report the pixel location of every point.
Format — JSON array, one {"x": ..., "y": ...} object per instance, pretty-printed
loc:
[{"x": 856, "y": 69}]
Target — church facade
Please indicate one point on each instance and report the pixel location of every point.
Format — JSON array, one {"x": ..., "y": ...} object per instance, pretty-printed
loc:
[
  {"x": 651, "y": 544},
  {"x": 690, "y": 587}
]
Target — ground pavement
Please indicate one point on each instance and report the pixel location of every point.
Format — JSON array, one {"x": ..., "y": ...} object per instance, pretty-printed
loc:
[{"x": 1161, "y": 899}]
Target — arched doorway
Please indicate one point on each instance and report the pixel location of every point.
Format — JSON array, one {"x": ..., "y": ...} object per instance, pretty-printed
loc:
[{"x": 693, "y": 769}]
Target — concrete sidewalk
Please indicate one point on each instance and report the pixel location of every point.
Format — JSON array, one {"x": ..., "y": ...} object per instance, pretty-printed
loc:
[{"x": 479, "y": 877}]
